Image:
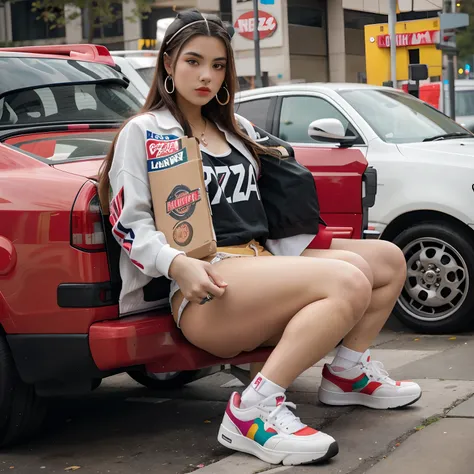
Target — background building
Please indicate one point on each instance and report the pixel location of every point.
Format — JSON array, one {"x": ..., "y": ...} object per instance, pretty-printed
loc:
[
  {"x": 301, "y": 40},
  {"x": 416, "y": 44}
]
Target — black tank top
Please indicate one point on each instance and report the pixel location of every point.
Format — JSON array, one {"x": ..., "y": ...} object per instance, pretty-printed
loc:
[{"x": 238, "y": 214}]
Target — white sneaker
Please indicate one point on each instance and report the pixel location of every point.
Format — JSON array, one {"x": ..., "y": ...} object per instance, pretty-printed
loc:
[
  {"x": 366, "y": 384},
  {"x": 271, "y": 432}
]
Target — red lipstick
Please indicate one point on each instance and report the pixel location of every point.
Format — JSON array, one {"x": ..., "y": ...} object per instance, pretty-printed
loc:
[{"x": 203, "y": 90}]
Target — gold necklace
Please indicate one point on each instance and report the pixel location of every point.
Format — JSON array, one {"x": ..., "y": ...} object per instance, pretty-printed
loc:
[{"x": 203, "y": 138}]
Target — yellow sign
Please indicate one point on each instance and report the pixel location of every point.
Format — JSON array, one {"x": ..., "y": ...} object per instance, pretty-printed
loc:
[
  {"x": 146, "y": 43},
  {"x": 460, "y": 70},
  {"x": 415, "y": 45}
]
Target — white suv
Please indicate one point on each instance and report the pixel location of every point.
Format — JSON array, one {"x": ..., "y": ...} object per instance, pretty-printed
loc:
[
  {"x": 139, "y": 67},
  {"x": 425, "y": 193}
]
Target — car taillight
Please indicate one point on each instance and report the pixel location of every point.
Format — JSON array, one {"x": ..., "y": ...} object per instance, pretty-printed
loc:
[{"x": 87, "y": 232}]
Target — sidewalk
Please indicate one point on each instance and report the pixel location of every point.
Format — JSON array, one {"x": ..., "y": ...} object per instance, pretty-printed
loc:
[{"x": 434, "y": 436}]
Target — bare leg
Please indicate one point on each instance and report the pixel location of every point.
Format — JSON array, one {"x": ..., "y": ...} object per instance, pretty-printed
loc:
[
  {"x": 352, "y": 379},
  {"x": 267, "y": 296},
  {"x": 313, "y": 303},
  {"x": 384, "y": 264},
  {"x": 255, "y": 368}
]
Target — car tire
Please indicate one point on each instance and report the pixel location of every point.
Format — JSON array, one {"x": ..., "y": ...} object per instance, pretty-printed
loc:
[
  {"x": 438, "y": 296},
  {"x": 22, "y": 412},
  {"x": 165, "y": 381}
]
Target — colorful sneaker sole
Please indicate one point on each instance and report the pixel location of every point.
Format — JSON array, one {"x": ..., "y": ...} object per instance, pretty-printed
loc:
[
  {"x": 236, "y": 441},
  {"x": 370, "y": 401}
]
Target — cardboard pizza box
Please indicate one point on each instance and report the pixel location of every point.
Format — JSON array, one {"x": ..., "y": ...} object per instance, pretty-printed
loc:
[{"x": 180, "y": 201}]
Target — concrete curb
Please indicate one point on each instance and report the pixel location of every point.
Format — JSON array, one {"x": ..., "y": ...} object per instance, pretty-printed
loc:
[{"x": 238, "y": 462}]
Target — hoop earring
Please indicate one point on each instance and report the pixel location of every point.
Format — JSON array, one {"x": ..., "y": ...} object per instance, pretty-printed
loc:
[
  {"x": 166, "y": 84},
  {"x": 228, "y": 97}
]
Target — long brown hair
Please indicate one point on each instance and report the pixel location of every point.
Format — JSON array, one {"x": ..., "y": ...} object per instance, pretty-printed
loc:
[{"x": 158, "y": 97}]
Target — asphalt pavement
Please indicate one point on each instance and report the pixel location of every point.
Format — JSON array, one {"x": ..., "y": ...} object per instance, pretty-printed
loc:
[{"x": 123, "y": 428}]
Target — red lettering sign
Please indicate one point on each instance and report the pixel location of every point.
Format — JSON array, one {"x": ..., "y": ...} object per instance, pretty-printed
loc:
[
  {"x": 183, "y": 201},
  {"x": 157, "y": 148},
  {"x": 245, "y": 24},
  {"x": 421, "y": 38}
]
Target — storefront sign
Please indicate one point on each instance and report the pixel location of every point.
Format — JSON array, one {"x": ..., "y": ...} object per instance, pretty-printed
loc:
[
  {"x": 271, "y": 23},
  {"x": 421, "y": 38},
  {"x": 245, "y": 24}
]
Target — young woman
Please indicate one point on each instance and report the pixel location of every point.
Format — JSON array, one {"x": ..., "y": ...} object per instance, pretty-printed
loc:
[{"x": 225, "y": 304}]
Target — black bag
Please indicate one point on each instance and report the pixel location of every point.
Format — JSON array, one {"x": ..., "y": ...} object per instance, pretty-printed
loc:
[{"x": 288, "y": 191}]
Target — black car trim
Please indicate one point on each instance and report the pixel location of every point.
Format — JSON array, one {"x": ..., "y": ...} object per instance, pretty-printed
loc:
[
  {"x": 87, "y": 295},
  {"x": 276, "y": 116},
  {"x": 271, "y": 114},
  {"x": 55, "y": 363},
  {"x": 370, "y": 179}
]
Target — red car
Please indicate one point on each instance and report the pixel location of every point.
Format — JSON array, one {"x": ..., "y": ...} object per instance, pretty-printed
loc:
[{"x": 60, "y": 330}]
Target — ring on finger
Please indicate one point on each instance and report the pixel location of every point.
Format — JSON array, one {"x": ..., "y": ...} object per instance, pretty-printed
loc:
[{"x": 209, "y": 297}]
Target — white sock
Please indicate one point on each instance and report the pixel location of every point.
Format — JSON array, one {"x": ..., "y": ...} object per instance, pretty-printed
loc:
[
  {"x": 259, "y": 389},
  {"x": 345, "y": 359}
]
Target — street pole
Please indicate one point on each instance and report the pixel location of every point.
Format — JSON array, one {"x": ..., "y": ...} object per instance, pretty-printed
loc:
[
  {"x": 392, "y": 21},
  {"x": 256, "y": 39},
  {"x": 451, "y": 72},
  {"x": 452, "y": 112}
]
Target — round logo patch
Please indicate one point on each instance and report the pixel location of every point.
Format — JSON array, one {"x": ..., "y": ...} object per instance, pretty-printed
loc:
[
  {"x": 181, "y": 202},
  {"x": 183, "y": 233}
]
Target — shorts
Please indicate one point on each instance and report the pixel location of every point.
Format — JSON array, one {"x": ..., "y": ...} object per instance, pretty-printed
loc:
[{"x": 251, "y": 249}]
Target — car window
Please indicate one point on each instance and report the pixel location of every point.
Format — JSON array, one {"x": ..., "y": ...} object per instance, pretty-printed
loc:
[
  {"x": 255, "y": 110},
  {"x": 297, "y": 112},
  {"x": 397, "y": 117},
  {"x": 136, "y": 93},
  {"x": 64, "y": 147},
  {"x": 464, "y": 103},
  {"x": 30, "y": 73},
  {"x": 68, "y": 103},
  {"x": 147, "y": 74}
]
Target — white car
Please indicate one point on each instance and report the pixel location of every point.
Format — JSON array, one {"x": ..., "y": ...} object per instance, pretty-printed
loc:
[
  {"x": 425, "y": 191},
  {"x": 139, "y": 67}
]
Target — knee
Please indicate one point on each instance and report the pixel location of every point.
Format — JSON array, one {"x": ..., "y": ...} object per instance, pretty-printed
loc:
[
  {"x": 392, "y": 261},
  {"x": 360, "y": 263},
  {"x": 353, "y": 289}
]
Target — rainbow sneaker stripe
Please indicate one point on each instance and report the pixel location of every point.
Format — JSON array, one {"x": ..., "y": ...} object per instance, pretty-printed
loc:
[
  {"x": 271, "y": 432},
  {"x": 258, "y": 433},
  {"x": 367, "y": 384},
  {"x": 255, "y": 429},
  {"x": 361, "y": 384}
]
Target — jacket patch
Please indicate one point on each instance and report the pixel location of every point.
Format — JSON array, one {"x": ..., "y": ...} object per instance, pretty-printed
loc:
[
  {"x": 165, "y": 162},
  {"x": 158, "y": 148},
  {"x": 156, "y": 136}
]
